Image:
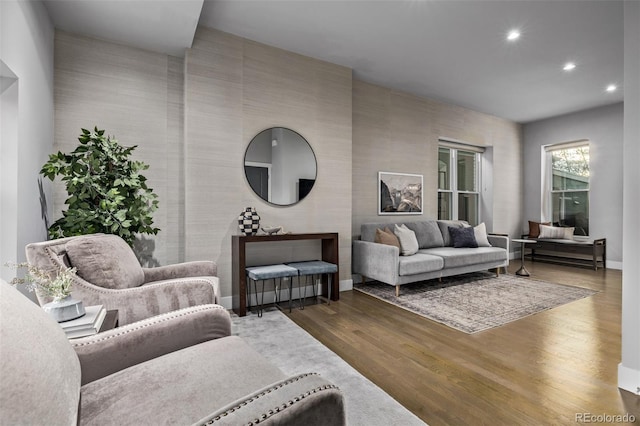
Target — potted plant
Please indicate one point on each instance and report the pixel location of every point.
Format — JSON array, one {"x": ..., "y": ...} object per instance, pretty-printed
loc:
[
  {"x": 63, "y": 307},
  {"x": 107, "y": 192}
]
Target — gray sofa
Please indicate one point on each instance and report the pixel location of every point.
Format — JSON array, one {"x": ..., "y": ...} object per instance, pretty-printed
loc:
[
  {"x": 177, "y": 368},
  {"x": 436, "y": 257}
]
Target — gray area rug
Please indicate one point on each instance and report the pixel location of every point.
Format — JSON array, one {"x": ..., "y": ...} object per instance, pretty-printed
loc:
[
  {"x": 479, "y": 301},
  {"x": 295, "y": 351}
]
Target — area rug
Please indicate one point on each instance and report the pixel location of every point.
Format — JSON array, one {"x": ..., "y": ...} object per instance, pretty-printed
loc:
[
  {"x": 479, "y": 301},
  {"x": 295, "y": 351}
]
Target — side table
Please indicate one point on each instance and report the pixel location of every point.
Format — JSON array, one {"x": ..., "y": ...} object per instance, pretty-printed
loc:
[
  {"x": 110, "y": 321},
  {"x": 522, "y": 271}
]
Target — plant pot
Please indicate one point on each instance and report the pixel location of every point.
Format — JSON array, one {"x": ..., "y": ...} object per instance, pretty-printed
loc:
[
  {"x": 65, "y": 309},
  {"x": 249, "y": 221}
]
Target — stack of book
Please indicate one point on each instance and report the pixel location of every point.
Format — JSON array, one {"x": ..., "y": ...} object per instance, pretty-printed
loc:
[{"x": 87, "y": 324}]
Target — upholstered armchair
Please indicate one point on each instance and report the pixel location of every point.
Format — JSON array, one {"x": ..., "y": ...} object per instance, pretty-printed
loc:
[
  {"x": 179, "y": 368},
  {"x": 109, "y": 274}
]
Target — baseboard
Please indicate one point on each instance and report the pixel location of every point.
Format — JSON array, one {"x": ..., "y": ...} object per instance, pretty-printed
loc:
[
  {"x": 629, "y": 379},
  {"x": 269, "y": 296},
  {"x": 614, "y": 265}
]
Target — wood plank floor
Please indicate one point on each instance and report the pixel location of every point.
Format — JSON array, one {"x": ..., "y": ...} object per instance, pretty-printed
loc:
[{"x": 543, "y": 369}]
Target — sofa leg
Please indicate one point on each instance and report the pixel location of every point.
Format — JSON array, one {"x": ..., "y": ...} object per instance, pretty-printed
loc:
[
  {"x": 397, "y": 291},
  {"x": 364, "y": 279},
  {"x": 497, "y": 272}
]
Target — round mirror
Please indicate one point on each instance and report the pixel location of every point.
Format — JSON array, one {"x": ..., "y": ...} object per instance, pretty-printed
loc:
[{"x": 280, "y": 166}]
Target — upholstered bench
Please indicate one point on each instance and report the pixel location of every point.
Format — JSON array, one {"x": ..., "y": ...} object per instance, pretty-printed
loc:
[
  {"x": 263, "y": 273},
  {"x": 312, "y": 268}
]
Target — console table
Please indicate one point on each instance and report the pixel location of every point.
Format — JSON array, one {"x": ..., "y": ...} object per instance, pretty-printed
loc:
[{"x": 239, "y": 263}]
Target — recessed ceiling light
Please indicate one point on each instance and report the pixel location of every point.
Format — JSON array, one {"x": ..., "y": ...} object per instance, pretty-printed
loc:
[
  {"x": 513, "y": 35},
  {"x": 569, "y": 66},
  {"x": 612, "y": 88}
]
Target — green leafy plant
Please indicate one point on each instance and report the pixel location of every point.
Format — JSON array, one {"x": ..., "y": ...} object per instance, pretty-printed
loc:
[
  {"x": 35, "y": 279},
  {"x": 106, "y": 191}
]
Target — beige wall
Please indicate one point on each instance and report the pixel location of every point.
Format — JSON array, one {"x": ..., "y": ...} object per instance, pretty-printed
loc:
[
  {"x": 399, "y": 132},
  {"x": 133, "y": 95},
  {"x": 235, "y": 88},
  {"x": 194, "y": 118}
]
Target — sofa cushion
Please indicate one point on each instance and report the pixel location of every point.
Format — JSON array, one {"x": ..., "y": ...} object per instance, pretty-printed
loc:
[
  {"x": 408, "y": 240},
  {"x": 427, "y": 232},
  {"x": 386, "y": 236},
  {"x": 456, "y": 257},
  {"x": 463, "y": 237},
  {"x": 419, "y": 263},
  {"x": 106, "y": 261},
  {"x": 444, "y": 230},
  {"x": 208, "y": 376}
]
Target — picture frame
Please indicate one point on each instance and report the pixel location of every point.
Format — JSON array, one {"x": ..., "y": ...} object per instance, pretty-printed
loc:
[{"x": 399, "y": 193}]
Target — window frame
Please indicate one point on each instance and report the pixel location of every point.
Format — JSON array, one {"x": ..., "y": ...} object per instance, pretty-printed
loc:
[
  {"x": 549, "y": 191},
  {"x": 454, "y": 192}
]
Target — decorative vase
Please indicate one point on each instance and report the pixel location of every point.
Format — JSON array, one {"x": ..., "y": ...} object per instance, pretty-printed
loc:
[
  {"x": 64, "y": 309},
  {"x": 249, "y": 221}
]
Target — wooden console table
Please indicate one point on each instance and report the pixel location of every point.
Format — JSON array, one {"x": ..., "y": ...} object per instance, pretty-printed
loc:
[{"x": 239, "y": 263}]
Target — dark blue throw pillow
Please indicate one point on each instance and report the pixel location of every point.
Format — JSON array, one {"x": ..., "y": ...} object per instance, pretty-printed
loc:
[{"x": 463, "y": 237}]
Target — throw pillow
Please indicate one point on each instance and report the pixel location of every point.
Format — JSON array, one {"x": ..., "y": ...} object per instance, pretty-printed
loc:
[
  {"x": 555, "y": 232},
  {"x": 444, "y": 229},
  {"x": 106, "y": 261},
  {"x": 385, "y": 236},
  {"x": 534, "y": 228},
  {"x": 480, "y": 232},
  {"x": 408, "y": 240},
  {"x": 463, "y": 237}
]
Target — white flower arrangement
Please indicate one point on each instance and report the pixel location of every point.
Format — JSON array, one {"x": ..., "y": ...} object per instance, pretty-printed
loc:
[{"x": 36, "y": 279}]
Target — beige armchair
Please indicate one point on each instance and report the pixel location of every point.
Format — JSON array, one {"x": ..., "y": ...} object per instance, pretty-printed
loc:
[
  {"x": 108, "y": 273},
  {"x": 178, "y": 368}
]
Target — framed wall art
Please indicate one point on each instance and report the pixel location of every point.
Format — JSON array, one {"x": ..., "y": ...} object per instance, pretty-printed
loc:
[{"x": 399, "y": 193}]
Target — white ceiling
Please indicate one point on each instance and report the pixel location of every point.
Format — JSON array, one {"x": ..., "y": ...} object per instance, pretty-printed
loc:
[{"x": 453, "y": 51}]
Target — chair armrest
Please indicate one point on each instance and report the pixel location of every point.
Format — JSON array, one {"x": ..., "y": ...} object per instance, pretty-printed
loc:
[
  {"x": 137, "y": 303},
  {"x": 106, "y": 353},
  {"x": 305, "y": 399},
  {"x": 377, "y": 261},
  {"x": 202, "y": 268}
]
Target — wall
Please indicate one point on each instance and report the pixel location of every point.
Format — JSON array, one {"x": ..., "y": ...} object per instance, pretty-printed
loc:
[
  {"x": 603, "y": 127},
  {"x": 629, "y": 368},
  {"x": 234, "y": 89},
  {"x": 26, "y": 49},
  {"x": 136, "y": 96},
  {"x": 399, "y": 132}
]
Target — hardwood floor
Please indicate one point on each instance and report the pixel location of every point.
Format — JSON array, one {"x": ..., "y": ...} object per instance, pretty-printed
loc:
[{"x": 543, "y": 369}]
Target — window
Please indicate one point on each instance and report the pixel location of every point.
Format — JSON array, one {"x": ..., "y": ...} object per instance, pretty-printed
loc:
[
  {"x": 568, "y": 186},
  {"x": 459, "y": 189}
]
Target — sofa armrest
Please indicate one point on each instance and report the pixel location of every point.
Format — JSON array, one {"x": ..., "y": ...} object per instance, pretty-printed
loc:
[
  {"x": 377, "y": 261},
  {"x": 502, "y": 242},
  {"x": 202, "y": 268},
  {"x": 499, "y": 241},
  {"x": 306, "y": 399},
  {"x": 105, "y": 353}
]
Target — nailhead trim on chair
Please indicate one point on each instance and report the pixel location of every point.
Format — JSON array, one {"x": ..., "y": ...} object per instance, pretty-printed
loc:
[
  {"x": 134, "y": 326},
  {"x": 279, "y": 408}
]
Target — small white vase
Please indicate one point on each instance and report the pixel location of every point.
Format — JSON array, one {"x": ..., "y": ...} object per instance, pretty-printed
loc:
[{"x": 64, "y": 309}]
